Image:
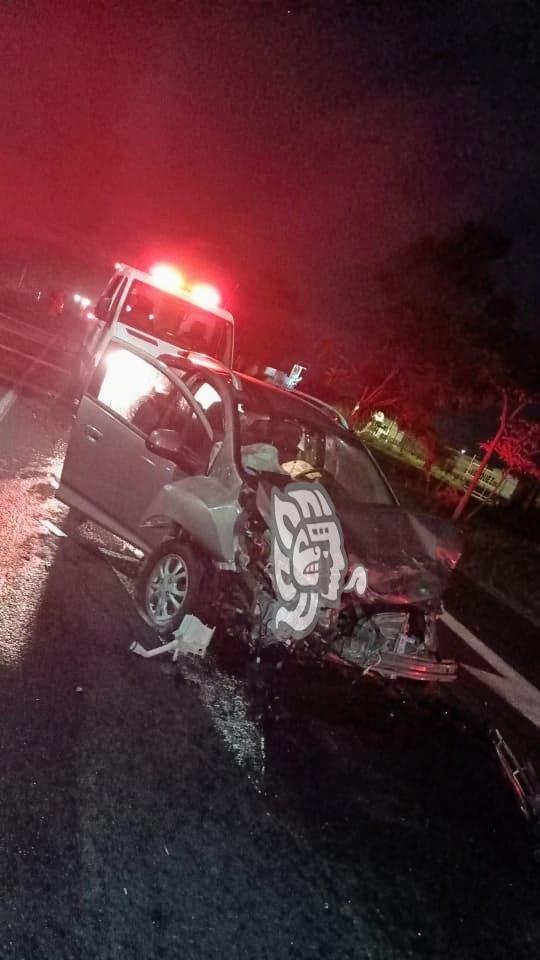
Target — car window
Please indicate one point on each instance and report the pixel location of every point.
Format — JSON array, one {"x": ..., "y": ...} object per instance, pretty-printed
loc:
[
  {"x": 185, "y": 419},
  {"x": 210, "y": 401},
  {"x": 307, "y": 447},
  {"x": 134, "y": 389},
  {"x": 177, "y": 414}
]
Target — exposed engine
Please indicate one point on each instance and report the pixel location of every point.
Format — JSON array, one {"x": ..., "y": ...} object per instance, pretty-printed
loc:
[{"x": 391, "y": 640}]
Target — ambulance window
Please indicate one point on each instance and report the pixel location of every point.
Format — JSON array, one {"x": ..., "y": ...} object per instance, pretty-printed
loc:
[
  {"x": 105, "y": 305},
  {"x": 174, "y": 320},
  {"x": 140, "y": 307},
  {"x": 117, "y": 295}
]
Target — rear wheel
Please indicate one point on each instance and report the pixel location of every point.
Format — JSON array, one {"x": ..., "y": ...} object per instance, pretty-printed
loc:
[{"x": 168, "y": 585}]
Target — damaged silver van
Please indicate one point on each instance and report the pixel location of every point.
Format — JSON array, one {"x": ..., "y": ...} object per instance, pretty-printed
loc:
[{"x": 180, "y": 456}]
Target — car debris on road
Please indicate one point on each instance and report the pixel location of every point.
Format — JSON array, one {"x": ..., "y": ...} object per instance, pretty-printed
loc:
[
  {"x": 522, "y": 778},
  {"x": 192, "y": 636}
]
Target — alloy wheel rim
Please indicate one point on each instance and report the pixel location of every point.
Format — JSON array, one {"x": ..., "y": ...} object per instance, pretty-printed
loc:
[{"x": 166, "y": 589}]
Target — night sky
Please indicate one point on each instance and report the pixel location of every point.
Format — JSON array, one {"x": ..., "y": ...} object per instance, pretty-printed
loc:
[{"x": 306, "y": 139}]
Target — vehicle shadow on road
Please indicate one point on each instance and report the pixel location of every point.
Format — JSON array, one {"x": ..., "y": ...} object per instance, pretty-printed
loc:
[
  {"x": 150, "y": 811},
  {"x": 131, "y": 828}
]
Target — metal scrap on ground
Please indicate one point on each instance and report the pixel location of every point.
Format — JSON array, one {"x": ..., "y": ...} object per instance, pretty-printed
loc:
[{"x": 192, "y": 636}]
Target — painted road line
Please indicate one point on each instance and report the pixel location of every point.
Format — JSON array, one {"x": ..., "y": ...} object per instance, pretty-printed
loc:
[
  {"x": 48, "y": 392},
  {"x": 507, "y": 682},
  {"x": 31, "y": 356},
  {"x": 11, "y": 396},
  {"x": 21, "y": 329},
  {"x": 37, "y": 334},
  {"x": 520, "y": 694},
  {"x": 7, "y": 402}
]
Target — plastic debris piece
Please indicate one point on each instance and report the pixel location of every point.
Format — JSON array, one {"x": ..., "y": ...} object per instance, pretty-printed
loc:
[
  {"x": 155, "y": 651},
  {"x": 192, "y": 636},
  {"x": 51, "y": 527},
  {"x": 522, "y": 778}
]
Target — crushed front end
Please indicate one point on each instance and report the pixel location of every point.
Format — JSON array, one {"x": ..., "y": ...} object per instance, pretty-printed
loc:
[{"x": 391, "y": 629}]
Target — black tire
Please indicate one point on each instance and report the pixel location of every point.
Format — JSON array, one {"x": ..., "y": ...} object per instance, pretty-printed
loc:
[{"x": 162, "y": 615}]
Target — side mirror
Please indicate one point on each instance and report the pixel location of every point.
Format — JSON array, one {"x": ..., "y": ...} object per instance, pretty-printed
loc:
[{"x": 167, "y": 444}]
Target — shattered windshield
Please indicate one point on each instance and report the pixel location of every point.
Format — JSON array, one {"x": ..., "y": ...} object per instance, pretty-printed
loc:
[{"x": 292, "y": 443}]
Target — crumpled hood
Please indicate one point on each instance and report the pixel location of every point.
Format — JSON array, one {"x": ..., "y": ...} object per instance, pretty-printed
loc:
[{"x": 408, "y": 556}]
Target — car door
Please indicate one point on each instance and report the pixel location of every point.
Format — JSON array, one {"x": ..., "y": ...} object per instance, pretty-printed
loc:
[{"x": 109, "y": 473}]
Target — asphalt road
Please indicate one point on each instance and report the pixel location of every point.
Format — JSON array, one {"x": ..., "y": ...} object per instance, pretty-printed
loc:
[{"x": 158, "y": 812}]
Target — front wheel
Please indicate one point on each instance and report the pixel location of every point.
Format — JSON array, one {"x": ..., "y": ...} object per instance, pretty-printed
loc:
[{"x": 168, "y": 585}]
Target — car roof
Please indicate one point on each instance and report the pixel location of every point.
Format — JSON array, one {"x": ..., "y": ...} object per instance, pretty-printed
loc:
[
  {"x": 289, "y": 404},
  {"x": 191, "y": 361},
  {"x": 279, "y": 398}
]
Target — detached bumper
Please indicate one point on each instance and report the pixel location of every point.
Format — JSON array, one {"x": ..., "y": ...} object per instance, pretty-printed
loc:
[{"x": 396, "y": 665}]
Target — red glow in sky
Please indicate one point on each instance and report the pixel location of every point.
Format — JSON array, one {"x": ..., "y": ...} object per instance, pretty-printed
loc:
[{"x": 241, "y": 139}]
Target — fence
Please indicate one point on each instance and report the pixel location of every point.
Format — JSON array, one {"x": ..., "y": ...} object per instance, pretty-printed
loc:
[{"x": 457, "y": 468}]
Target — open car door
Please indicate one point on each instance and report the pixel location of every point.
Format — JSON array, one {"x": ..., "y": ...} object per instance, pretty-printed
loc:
[{"x": 109, "y": 472}]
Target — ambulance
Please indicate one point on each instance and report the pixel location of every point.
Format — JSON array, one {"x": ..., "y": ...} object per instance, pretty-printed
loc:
[{"x": 156, "y": 312}]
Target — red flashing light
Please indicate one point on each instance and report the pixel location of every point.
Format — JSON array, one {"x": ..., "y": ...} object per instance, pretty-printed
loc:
[
  {"x": 205, "y": 295},
  {"x": 167, "y": 277}
]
